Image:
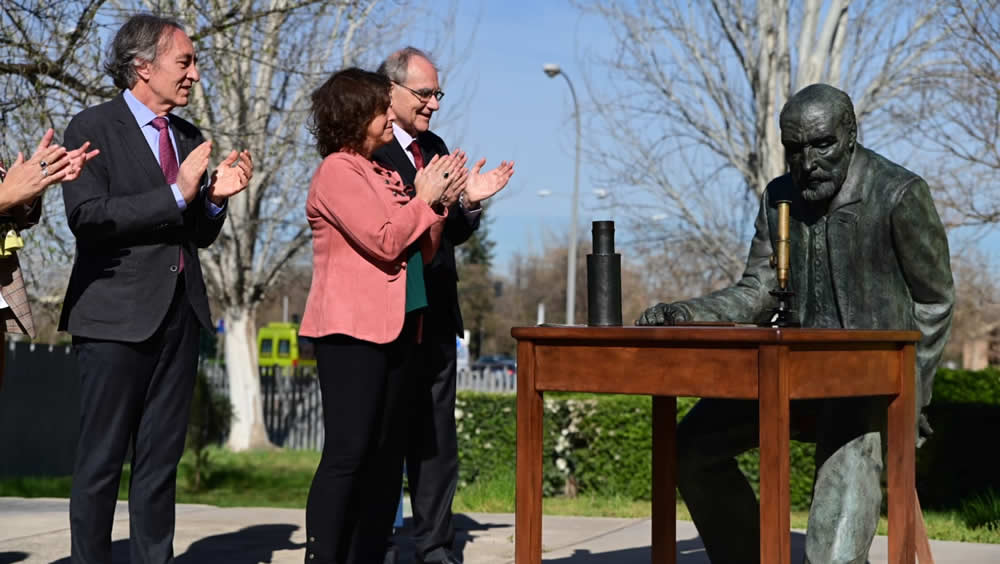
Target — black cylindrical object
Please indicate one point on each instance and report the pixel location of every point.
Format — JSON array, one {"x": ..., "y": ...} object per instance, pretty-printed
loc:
[{"x": 604, "y": 278}]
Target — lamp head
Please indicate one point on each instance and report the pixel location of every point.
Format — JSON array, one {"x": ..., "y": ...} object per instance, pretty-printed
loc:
[{"x": 551, "y": 69}]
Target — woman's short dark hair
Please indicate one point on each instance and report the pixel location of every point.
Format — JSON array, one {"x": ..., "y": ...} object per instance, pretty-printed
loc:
[
  {"x": 138, "y": 40},
  {"x": 343, "y": 107}
]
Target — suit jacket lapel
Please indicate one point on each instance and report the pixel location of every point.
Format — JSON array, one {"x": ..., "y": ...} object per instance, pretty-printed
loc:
[
  {"x": 136, "y": 143},
  {"x": 396, "y": 156},
  {"x": 842, "y": 234},
  {"x": 429, "y": 150},
  {"x": 184, "y": 145}
]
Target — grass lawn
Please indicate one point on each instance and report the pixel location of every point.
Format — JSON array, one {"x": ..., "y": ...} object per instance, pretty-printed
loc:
[{"x": 281, "y": 478}]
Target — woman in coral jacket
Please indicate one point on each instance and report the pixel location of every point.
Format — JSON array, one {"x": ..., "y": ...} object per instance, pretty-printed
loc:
[{"x": 371, "y": 235}]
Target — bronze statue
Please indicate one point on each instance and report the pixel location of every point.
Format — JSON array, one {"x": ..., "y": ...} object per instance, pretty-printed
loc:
[{"x": 867, "y": 251}]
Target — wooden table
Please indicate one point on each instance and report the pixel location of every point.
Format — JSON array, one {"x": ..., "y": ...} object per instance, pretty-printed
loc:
[{"x": 770, "y": 365}]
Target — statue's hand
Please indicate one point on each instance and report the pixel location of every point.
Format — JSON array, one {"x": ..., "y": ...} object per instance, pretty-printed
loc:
[
  {"x": 663, "y": 314},
  {"x": 924, "y": 430}
]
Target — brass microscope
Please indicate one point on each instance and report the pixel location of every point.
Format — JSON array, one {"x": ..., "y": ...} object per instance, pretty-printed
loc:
[{"x": 782, "y": 315}]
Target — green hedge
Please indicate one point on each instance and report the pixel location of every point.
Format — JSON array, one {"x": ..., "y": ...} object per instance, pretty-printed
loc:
[
  {"x": 592, "y": 443},
  {"x": 602, "y": 443},
  {"x": 967, "y": 387}
]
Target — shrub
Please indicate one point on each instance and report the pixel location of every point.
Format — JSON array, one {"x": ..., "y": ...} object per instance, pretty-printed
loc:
[
  {"x": 487, "y": 434},
  {"x": 592, "y": 443},
  {"x": 982, "y": 511},
  {"x": 595, "y": 443},
  {"x": 967, "y": 387},
  {"x": 211, "y": 415}
]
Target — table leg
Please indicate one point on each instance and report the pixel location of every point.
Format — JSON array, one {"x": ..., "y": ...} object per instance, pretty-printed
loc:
[
  {"x": 528, "y": 499},
  {"x": 664, "y": 480},
  {"x": 901, "y": 461},
  {"x": 924, "y": 555},
  {"x": 773, "y": 389}
]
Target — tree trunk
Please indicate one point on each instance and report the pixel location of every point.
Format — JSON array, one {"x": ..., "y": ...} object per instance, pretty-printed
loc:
[{"x": 247, "y": 430}]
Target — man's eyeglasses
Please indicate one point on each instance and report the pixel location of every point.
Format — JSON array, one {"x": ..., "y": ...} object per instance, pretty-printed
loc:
[{"x": 424, "y": 94}]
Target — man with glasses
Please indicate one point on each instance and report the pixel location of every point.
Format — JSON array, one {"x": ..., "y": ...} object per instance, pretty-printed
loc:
[{"x": 432, "y": 451}]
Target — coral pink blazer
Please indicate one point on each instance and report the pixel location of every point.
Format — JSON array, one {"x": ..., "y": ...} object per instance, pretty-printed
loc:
[{"x": 362, "y": 223}]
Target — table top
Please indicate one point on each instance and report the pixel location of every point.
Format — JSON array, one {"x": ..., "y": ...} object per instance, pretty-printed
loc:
[{"x": 709, "y": 333}]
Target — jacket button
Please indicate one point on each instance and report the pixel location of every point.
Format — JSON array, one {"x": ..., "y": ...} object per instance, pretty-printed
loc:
[{"x": 173, "y": 268}]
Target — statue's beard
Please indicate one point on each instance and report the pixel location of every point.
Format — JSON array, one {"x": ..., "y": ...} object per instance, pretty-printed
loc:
[{"x": 821, "y": 192}]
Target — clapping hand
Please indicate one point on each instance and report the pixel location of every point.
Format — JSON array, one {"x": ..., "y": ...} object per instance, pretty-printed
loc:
[
  {"x": 231, "y": 177},
  {"x": 77, "y": 158},
  {"x": 48, "y": 165},
  {"x": 482, "y": 185},
  {"x": 191, "y": 170},
  {"x": 442, "y": 180}
]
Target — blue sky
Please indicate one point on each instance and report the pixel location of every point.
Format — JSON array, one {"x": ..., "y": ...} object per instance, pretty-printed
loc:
[
  {"x": 508, "y": 109},
  {"x": 500, "y": 105}
]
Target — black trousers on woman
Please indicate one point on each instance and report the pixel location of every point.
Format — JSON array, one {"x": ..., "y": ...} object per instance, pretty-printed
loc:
[{"x": 354, "y": 494}]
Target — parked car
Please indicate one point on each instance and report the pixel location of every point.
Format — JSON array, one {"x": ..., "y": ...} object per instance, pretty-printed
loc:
[{"x": 492, "y": 362}]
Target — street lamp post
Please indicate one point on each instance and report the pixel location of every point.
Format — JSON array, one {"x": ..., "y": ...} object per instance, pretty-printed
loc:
[{"x": 552, "y": 70}]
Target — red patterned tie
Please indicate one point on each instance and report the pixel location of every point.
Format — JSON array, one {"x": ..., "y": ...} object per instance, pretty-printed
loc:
[
  {"x": 168, "y": 163},
  {"x": 168, "y": 160},
  {"x": 418, "y": 156}
]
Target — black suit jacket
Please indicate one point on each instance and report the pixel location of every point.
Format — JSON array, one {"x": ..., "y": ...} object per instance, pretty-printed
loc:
[
  {"x": 441, "y": 274},
  {"x": 129, "y": 230}
]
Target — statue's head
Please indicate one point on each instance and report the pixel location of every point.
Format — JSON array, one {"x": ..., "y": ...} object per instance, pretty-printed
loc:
[{"x": 819, "y": 131}]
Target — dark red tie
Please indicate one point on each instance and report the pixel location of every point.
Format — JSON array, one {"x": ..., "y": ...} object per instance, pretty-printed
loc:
[
  {"x": 168, "y": 159},
  {"x": 168, "y": 163},
  {"x": 418, "y": 156}
]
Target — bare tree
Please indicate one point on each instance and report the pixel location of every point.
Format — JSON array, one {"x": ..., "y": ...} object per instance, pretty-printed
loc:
[
  {"x": 687, "y": 103},
  {"x": 539, "y": 277},
  {"x": 977, "y": 304},
  {"x": 259, "y": 62},
  {"x": 960, "y": 117}
]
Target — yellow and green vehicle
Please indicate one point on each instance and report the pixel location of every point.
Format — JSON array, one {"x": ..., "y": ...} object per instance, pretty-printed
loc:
[{"x": 279, "y": 344}]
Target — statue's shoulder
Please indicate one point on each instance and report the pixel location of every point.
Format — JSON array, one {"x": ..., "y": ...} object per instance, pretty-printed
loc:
[{"x": 880, "y": 171}]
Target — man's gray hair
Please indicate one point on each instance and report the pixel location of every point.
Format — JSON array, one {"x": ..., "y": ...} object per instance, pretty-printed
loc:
[
  {"x": 395, "y": 65},
  {"x": 137, "y": 41}
]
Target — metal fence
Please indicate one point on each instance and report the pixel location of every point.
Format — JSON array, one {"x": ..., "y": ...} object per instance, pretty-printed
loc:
[
  {"x": 41, "y": 385},
  {"x": 293, "y": 410},
  {"x": 493, "y": 381},
  {"x": 39, "y": 410}
]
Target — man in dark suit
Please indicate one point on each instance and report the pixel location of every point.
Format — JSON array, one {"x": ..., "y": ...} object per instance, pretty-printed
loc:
[
  {"x": 136, "y": 298},
  {"x": 432, "y": 451}
]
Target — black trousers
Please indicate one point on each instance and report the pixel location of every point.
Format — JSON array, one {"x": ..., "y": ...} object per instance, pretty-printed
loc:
[
  {"x": 138, "y": 393},
  {"x": 354, "y": 494},
  {"x": 432, "y": 454}
]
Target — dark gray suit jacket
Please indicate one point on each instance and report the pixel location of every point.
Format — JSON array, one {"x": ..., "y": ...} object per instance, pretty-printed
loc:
[
  {"x": 441, "y": 274},
  {"x": 888, "y": 260},
  {"x": 129, "y": 230}
]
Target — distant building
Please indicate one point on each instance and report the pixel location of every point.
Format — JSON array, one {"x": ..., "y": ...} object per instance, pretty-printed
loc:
[{"x": 977, "y": 354}]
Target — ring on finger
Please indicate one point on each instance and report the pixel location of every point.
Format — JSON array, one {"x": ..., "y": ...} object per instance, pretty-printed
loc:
[
  {"x": 43, "y": 164},
  {"x": 45, "y": 171}
]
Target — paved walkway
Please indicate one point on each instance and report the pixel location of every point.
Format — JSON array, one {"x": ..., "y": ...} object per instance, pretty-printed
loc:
[{"x": 37, "y": 530}]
